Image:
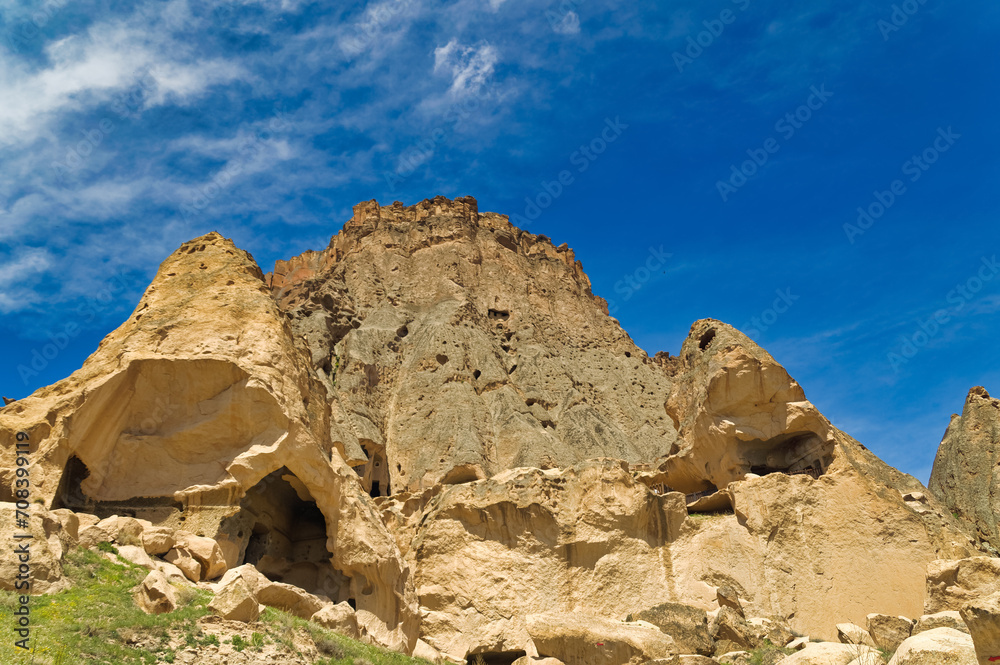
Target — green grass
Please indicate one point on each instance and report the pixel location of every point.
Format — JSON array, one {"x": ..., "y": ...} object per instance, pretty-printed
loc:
[
  {"x": 96, "y": 622},
  {"x": 764, "y": 654}
]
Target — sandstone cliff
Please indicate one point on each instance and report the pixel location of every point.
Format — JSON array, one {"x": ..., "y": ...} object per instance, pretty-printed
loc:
[
  {"x": 436, "y": 422},
  {"x": 966, "y": 474}
]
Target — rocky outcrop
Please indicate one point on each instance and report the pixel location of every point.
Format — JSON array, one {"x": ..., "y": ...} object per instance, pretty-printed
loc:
[
  {"x": 966, "y": 473},
  {"x": 982, "y": 616},
  {"x": 953, "y": 584},
  {"x": 455, "y": 346},
  {"x": 202, "y": 411},
  {"x": 581, "y": 639}
]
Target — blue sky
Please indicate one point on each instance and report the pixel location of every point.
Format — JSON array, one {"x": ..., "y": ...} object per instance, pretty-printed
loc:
[{"x": 727, "y": 144}]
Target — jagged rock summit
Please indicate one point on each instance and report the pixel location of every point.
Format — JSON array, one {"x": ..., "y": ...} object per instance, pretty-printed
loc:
[{"x": 434, "y": 427}]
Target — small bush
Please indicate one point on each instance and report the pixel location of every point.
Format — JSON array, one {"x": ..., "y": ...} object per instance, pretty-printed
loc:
[
  {"x": 107, "y": 547},
  {"x": 239, "y": 643},
  {"x": 257, "y": 640}
]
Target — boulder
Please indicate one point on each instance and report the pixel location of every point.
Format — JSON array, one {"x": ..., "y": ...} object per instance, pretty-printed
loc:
[
  {"x": 340, "y": 618},
  {"x": 184, "y": 559},
  {"x": 688, "y": 626},
  {"x": 158, "y": 540},
  {"x": 949, "y": 619},
  {"x": 70, "y": 522},
  {"x": 580, "y": 639},
  {"x": 888, "y": 632},
  {"x": 235, "y": 601},
  {"x": 849, "y": 633},
  {"x": 964, "y": 476},
  {"x": 528, "y": 660},
  {"x": 735, "y": 658},
  {"x": 798, "y": 643},
  {"x": 951, "y": 584},
  {"x": 122, "y": 530},
  {"x": 291, "y": 599},
  {"x": 982, "y": 617},
  {"x": 46, "y": 547},
  {"x": 205, "y": 551},
  {"x": 775, "y": 630},
  {"x": 155, "y": 595},
  {"x": 727, "y": 596},
  {"x": 136, "y": 555},
  {"x": 939, "y": 646},
  {"x": 92, "y": 536},
  {"x": 173, "y": 574},
  {"x": 730, "y": 626},
  {"x": 691, "y": 659},
  {"x": 833, "y": 653}
]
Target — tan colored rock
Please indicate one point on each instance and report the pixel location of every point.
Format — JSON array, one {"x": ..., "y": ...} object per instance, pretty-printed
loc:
[
  {"x": 735, "y": 658},
  {"x": 850, "y": 633},
  {"x": 688, "y": 626},
  {"x": 580, "y": 639},
  {"x": 235, "y": 601},
  {"x": 70, "y": 522},
  {"x": 185, "y": 561},
  {"x": 966, "y": 475},
  {"x": 189, "y": 408},
  {"x": 940, "y": 646},
  {"x": 158, "y": 540},
  {"x": 528, "y": 660},
  {"x": 122, "y": 530},
  {"x": 727, "y": 596},
  {"x": 832, "y": 653},
  {"x": 173, "y": 574},
  {"x": 46, "y": 548},
  {"x": 136, "y": 555},
  {"x": 888, "y": 632},
  {"x": 206, "y": 551},
  {"x": 429, "y": 653},
  {"x": 342, "y": 619},
  {"x": 798, "y": 643},
  {"x": 953, "y": 584},
  {"x": 947, "y": 619},
  {"x": 155, "y": 595},
  {"x": 588, "y": 539},
  {"x": 92, "y": 536},
  {"x": 982, "y": 616},
  {"x": 730, "y": 626},
  {"x": 774, "y": 630},
  {"x": 692, "y": 659}
]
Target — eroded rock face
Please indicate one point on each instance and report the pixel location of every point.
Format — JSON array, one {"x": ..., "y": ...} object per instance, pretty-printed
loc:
[
  {"x": 966, "y": 474},
  {"x": 180, "y": 413},
  {"x": 455, "y": 346}
]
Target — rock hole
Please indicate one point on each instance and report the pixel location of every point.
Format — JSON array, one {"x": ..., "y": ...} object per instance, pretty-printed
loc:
[
  {"x": 706, "y": 339},
  {"x": 477, "y": 374},
  {"x": 628, "y": 354},
  {"x": 442, "y": 359},
  {"x": 402, "y": 332}
]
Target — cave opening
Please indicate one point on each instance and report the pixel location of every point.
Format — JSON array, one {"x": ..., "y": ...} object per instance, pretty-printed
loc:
[
  {"x": 802, "y": 453},
  {"x": 281, "y": 531},
  {"x": 70, "y": 494},
  {"x": 375, "y": 472},
  {"x": 495, "y": 657}
]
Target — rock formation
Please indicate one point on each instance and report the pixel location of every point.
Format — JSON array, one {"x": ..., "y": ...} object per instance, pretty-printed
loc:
[
  {"x": 433, "y": 429},
  {"x": 966, "y": 474}
]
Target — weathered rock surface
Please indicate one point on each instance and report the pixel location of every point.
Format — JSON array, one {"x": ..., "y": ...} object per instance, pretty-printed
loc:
[
  {"x": 947, "y": 619},
  {"x": 941, "y": 646},
  {"x": 44, "y": 550},
  {"x": 340, "y": 618},
  {"x": 953, "y": 584},
  {"x": 155, "y": 595},
  {"x": 849, "y": 633},
  {"x": 982, "y": 616},
  {"x": 688, "y": 626},
  {"x": 888, "y": 632},
  {"x": 235, "y": 600},
  {"x": 833, "y": 653},
  {"x": 202, "y": 411},
  {"x": 966, "y": 473},
  {"x": 581, "y": 639}
]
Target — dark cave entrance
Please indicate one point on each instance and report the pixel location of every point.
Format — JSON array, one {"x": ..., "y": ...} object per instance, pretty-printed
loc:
[
  {"x": 70, "y": 491},
  {"x": 70, "y": 495},
  {"x": 495, "y": 657},
  {"x": 803, "y": 453},
  {"x": 375, "y": 472},
  {"x": 281, "y": 531}
]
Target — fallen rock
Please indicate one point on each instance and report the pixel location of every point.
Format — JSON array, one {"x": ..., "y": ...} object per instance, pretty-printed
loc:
[
  {"x": 849, "y": 633},
  {"x": 342, "y": 619},
  {"x": 691, "y": 659},
  {"x": 832, "y": 653},
  {"x": 727, "y": 596},
  {"x": 235, "y": 601},
  {"x": 735, "y": 658},
  {"x": 730, "y": 626},
  {"x": 579, "y": 639},
  {"x": 92, "y": 536},
  {"x": 155, "y": 595},
  {"x": 949, "y": 619},
  {"x": 136, "y": 555},
  {"x": 776, "y": 631},
  {"x": 939, "y": 646},
  {"x": 951, "y": 584},
  {"x": 183, "y": 559},
  {"x": 70, "y": 522},
  {"x": 688, "y": 626},
  {"x": 206, "y": 551},
  {"x": 173, "y": 574},
  {"x": 798, "y": 643},
  {"x": 529, "y": 660},
  {"x": 122, "y": 530},
  {"x": 888, "y": 632},
  {"x": 982, "y": 617},
  {"x": 47, "y": 547},
  {"x": 158, "y": 540}
]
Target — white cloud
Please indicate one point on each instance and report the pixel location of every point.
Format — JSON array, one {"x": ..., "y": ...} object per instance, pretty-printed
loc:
[
  {"x": 469, "y": 66},
  {"x": 16, "y": 276},
  {"x": 568, "y": 24}
]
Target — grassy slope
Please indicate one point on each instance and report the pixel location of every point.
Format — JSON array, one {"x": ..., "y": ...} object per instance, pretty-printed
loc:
[{"x": 96, "y": 621}]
